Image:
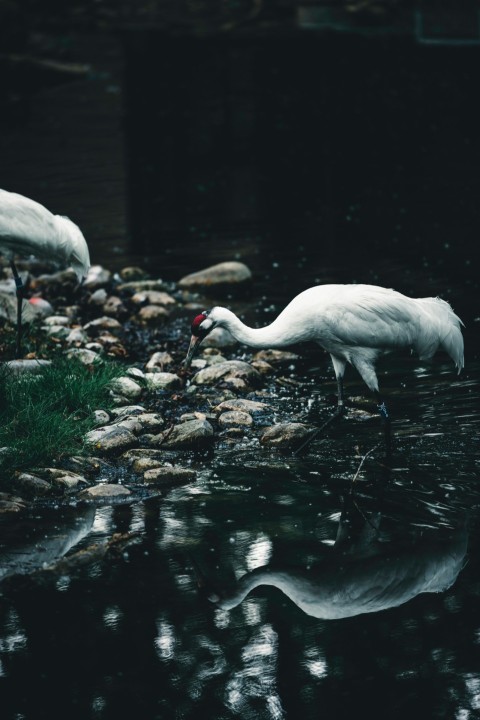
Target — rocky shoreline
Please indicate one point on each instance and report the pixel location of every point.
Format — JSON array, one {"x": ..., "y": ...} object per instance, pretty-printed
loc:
[{"x": 166, "y": 422}]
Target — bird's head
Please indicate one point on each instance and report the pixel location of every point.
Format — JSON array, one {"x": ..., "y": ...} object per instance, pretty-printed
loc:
[
  {"x": 202, "y": 325},
  {"x": 75, "y": 247}
]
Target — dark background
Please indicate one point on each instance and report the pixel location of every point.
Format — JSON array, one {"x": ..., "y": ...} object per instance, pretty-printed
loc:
[{"x": 315, "y": 141}]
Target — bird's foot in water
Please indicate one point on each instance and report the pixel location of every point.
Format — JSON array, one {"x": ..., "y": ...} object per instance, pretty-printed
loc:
[{"x": 339, "y": 412}]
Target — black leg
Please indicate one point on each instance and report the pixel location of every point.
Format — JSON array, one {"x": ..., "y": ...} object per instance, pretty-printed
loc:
[
  {"x": 20, "y": 288},
  {"x": 385, "y": 415},
  {"x": 336, "y": 415}
]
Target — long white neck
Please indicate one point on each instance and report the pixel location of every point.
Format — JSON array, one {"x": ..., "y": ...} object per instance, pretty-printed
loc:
[{"x": 280, "y": 333}]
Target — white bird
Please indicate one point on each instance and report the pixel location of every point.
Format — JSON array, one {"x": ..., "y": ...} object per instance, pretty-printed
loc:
[
  {"x": 355, "y": 324},
  {"x": 28, "y": 228}
]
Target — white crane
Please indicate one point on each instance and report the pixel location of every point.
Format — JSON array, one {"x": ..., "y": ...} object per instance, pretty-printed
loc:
[
  {"x": 28, "y": 228},
  {"x": 355, "y": 324}
]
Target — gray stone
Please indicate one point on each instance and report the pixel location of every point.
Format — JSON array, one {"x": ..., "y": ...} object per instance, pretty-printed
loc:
[
  {"x": 189, "y": 435},
  {"x": 65, "y": 479},
  {"x": 168, "y": 475},
  {"x": 32, "y": 484},
  {"x": 142, "y": 286},
  {"x": 152, "y": 297},
  {"x": 126, "y": 387},
  {"x": 83, "y": 355},
  {"x": 19, "y": 367},
  {"x": 100, "y": 417},
  {"x": 77, "y": 335},
  {"x": 248, "y": 406},
  {"x": 104, "y": 491},
  {"x": 57, "y": 320},
  {"x": 233, "y": 418},
  {"x": 152, "y": 314},
  {"x": 158, "y": 362},
  {"x": 286, "y": 435},
  {"x": 219, "y": 278},
  {"x": 235, "y": 373},
  {"x": 97, "y": 277},
  {"x": 162, "y": 381},
  {"x": 110, "y": 439},
  {"x": 103, "y": 323},
  {"x": 275, "y": 357},
  {"x": 127, "y": 410}
]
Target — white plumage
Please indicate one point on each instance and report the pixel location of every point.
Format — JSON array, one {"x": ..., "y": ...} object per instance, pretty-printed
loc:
[
  {"x": 354, "y": 323},
  {"x": 28, "y": 228}
]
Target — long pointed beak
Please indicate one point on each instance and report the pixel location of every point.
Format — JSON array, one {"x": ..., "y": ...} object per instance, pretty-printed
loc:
[{"x": 192, "y": 350}]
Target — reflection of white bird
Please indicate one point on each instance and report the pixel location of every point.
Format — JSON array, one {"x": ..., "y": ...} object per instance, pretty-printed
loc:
[
  {"x": 359, "y": 585},
  {"x": 354, "y": 323},
  {"x": 28, "y": 228}
]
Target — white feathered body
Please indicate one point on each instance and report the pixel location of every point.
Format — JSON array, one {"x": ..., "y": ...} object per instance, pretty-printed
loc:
[
  {"x": 356, "y": 324},
  {"x": 28, "y": 228}
]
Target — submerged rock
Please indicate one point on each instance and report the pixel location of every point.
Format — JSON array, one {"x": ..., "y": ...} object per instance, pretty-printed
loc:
[
  {"x": 168, "y": 475},
  {"x": 104, "y": 491},
  {"x": 286, "y": 435},
  {"x": 275, "y": 357}
]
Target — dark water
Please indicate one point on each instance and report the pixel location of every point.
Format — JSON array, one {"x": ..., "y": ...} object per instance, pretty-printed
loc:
[{"x": 332, "y": 160}]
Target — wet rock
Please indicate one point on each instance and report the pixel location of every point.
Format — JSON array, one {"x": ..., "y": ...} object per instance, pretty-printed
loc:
[
  {"x": 10, "y": 503},
  {"x": 167, "y": 475},
  {"x": 218, "y": 279},
  {"x": 104, "y": 491},
  {"x": 63, "y": 479},
  {"x": 235, "y": 373},
  {"x": 127, "y": 387},
  {"x": 162, "y": 381},
  {"x": 242, "y": 404},
  {"x": 97, "y": 277},
  {"x": 233, "y": 418},
  {"x": 275, "y": 357},
  {"x": 286, "y": 435},
  {"x": 141, "y": 459},
  {"x": 86, "y": 464},
  {"x": 190, "y": 435},
  {"x": 110, "y": 439},
  {"x": 33, "y": 485},
  {"x": 152, "y": 314},
  {"x": 158, "y": 362},
  {"x": 264, "y": 368}
]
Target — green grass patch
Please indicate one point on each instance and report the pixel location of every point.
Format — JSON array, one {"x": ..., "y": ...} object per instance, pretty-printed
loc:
[{"x": 44, "y": 416}]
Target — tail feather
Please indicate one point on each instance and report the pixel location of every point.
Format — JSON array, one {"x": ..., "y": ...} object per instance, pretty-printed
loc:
[{"x": 440, "y": 327}]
